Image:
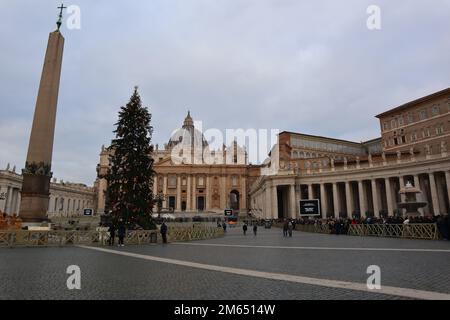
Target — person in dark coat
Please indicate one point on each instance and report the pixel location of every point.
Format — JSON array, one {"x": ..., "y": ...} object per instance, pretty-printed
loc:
[
  {"x": 290, "y": 228},
  {"x": 285, "y": 229},
  {"x": 112, "y": 234},
  {"x": 245, "y": 228},
  {"x": 224, "y": 226},
  {"x": 164, "y": 232},
  {"x": 122, "y": 232},
  {"x": 255, "y": 229}
]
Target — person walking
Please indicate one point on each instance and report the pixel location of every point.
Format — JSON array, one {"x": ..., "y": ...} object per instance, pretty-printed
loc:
[
  {"x": 255, "y": 229},
  {"x": 122, "y": 232},
  {"x": 285, "y": 229},
  {"x": 224, "y": 226},
  {"x": 245, "y": 228},
  {"x": 112, "y": 234},
  {"x": 290, "y": 228},
  {"x": 163, "y": 232}
]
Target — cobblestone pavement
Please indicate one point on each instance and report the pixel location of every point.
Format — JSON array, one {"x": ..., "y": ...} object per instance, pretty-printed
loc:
[{"x": 40, "y": 273}]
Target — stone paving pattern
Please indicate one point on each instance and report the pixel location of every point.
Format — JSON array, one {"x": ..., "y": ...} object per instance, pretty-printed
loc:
[{"x": 39, "y": 273}]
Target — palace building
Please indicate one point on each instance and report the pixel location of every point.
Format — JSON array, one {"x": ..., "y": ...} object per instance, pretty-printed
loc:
[
  {"x": 362, "y": 179},
  {"x": 66, "y": 199}
]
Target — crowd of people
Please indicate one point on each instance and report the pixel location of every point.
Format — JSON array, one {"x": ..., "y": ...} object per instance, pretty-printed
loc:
[
  {"x": 341, "y": 225},
  {"x": 10, "y": 222}
]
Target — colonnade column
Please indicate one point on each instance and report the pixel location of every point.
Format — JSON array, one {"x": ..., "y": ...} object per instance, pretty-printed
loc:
[
  {"x": 274, "y": 207},
  {"x": 349, "y": 199},
  {"x": 447, "y": 180},
  {"x": 335, "y": 200},
  {"x": 4, "y": 194},
  {"x": 362, "y": 197},
  {"x": 293, "y": 201},
  {"x": 268, "y": 203},
  {"x": 244, "y": 193},
  {"x": 375, "y": 198},
  {"x": 323, "y": 200},
  {"x": 434, "y": 196},
  {"x": 420, "y": 195},
  {"x": 389, "y": 199},
  {"x": 310, "y": 192}
]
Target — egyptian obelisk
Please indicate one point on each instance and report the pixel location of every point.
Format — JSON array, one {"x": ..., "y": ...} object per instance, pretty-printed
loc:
[{"x": 37, "y": 173}]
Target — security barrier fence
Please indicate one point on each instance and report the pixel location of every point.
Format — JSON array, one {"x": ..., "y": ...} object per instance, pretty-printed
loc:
[
  {"x": 177, "y": 234},
  {"x": 426, "y": 231},
  {"x": 23, "y": 238}
]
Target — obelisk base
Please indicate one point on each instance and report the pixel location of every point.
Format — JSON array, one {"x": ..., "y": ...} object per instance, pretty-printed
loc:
[{"x": 35, "y": 198}]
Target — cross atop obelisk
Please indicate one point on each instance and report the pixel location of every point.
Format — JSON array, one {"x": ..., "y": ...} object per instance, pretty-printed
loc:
[{"x": 59, "y": 22}]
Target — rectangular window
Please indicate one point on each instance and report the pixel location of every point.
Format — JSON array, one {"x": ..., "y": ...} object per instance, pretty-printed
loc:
[
  {"x": 435, "y": 110},
  {"x": 440, "y": 129},
  {"x": 423, "y": 114},
  {"x": 410, "y": 118},
  {"x": 393, "y": 124},
  {"x": 400, "y": 121},
  {"x": 172, "y": 181}
]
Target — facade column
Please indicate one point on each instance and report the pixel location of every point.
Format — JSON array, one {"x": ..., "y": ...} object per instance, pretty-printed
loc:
[
  {"x": 208, "y": 194},
  {"x": 223, "y": 193},
  {"x": 188, "y": 194},
  {"x": 155, "y": 185},
  {"x": 268, "y": 203},
  {"x": 447, "y": 180},
  {"x": 389, "y": 199},
  {"x": 194, "y": 193},
  {"x": 8, "y": 200},
  {"x": 3, "y": 198},
  {"x": 349, "y": 199},
  {"x": 375, "y": 199},
  {"x": 274, "y": 203},
  {"x": 179, "y": 193},
  {"x": 335, "y": 200},
  {"x": 164, "y": 204},
  {"x": 293, "y": 201},
  {"x": 323, "y": 200},
  {"x": 434, "y": 195},
  {"x": 15, "y": 201},
  {"x": 244, "y": 205},
  {"x": 362, "y": 199},
  {"x": 420, "y": 195},
  {"x": 310, "y": 192}
]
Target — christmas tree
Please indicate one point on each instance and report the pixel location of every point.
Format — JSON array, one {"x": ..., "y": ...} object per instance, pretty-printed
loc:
[{"x": 130, "y": 178}]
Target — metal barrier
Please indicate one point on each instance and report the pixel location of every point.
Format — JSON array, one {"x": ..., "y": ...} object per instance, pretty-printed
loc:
[
  {"x": 177, "y": 234},
  {"x": 22, "y": 238},
  {"x": 68, "y": 238},
  {"x": 427, "y": 231}
]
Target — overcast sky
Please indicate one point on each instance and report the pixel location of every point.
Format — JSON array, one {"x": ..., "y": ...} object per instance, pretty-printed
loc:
[{"x": 303, "y": 66}]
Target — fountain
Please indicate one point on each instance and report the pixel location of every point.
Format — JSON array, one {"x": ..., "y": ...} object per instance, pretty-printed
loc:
[{"x": 411, "y": 204}]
